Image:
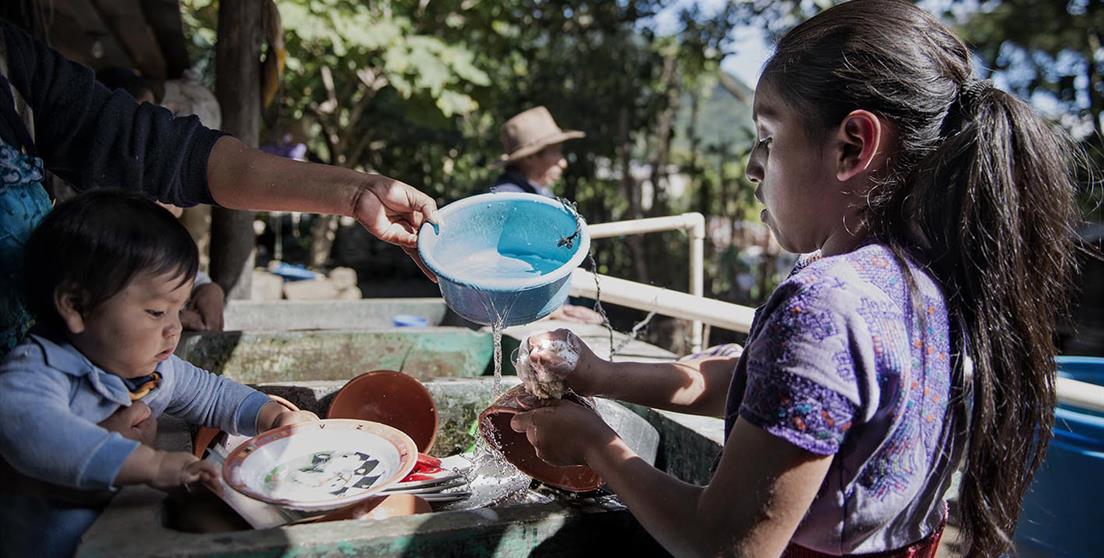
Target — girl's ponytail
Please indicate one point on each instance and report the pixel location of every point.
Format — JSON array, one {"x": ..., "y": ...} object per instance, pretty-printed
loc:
[{"x": 996, "y": 215}]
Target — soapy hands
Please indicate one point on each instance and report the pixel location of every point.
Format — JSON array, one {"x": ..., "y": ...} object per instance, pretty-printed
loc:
[
  {"x": 549, "y": 363},
  {"x": 563, "y": 431}
]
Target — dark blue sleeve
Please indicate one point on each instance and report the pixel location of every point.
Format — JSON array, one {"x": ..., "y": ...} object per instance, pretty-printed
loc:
[{"x": 95, "y": 138}]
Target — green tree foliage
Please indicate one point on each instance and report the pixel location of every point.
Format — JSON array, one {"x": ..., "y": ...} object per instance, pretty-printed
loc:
[
  {"x": 1052, "y": 53},
  {"x": 417, "y": 90}
]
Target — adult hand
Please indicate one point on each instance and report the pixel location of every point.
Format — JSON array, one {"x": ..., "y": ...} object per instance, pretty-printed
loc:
[
  {"x": 135, "y": 422},
  {"x": 562, "y": 431},
  {"x": 554, "y": 360},
  {"x": 208, "y": 302},
  {"x": 393, "y": 212}
]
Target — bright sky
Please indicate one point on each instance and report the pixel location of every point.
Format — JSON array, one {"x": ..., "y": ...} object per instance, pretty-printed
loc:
[{"x": 751, "y": 50}]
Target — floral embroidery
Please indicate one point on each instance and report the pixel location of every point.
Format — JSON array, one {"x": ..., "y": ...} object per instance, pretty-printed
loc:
[
  {"x": 804, "y": 375},
  {"x": 803, "y": 412},
  {"x": 23, "y": 203}
]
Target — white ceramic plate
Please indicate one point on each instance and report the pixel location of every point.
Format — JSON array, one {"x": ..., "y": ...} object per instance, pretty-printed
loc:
[{"x": 320, "y": 465}]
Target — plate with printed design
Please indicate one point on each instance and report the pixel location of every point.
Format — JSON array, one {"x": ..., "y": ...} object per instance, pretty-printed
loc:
[{"x": 320, "y": 465}]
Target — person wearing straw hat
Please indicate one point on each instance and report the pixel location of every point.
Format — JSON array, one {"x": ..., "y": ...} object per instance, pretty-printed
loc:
[
  {"x": 534, "y": 161},
  {"x": 533, "y": 157}
]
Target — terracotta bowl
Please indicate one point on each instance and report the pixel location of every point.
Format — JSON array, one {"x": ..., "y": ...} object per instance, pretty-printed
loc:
[
  {"x": 206, "y": 436},
  {"x": 392, "y": 398},
  {"x": 494, "y": 426}
]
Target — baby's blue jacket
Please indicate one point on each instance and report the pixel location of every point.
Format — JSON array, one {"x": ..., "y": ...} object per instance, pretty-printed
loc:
[{"x": 51, "y": 399}]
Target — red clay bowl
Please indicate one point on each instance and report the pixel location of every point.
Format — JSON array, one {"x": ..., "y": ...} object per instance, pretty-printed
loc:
[
  {"x": 494, "y": 426},
  {"x": 392, "y": 398}
]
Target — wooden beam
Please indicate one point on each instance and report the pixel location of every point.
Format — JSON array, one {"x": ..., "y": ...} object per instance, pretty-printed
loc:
[
  {"x": 128, "y": 23},
  {"x": 76, "y": 30},
  {"x": 238, "y": 88},
  {"x": 163, "y": 17}
]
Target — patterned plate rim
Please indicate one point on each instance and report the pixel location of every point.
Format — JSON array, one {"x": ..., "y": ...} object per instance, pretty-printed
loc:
[{"x": 408, "y": 456}]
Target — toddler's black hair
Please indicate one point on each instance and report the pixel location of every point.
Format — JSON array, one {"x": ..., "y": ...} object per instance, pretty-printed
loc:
[{"x": 95, "y": 244}]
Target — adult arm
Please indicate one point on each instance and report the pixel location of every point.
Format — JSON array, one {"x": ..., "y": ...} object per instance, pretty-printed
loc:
[
  {"x": 93, "y": 137},
  {"x": 244, "y": 178}
]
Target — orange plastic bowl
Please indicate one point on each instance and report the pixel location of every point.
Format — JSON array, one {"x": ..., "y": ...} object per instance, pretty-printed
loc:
[{"x": 390, "y": 398}]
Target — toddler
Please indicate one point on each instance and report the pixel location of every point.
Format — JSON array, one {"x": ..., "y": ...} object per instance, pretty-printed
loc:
[{"x": 108, "y": 274}]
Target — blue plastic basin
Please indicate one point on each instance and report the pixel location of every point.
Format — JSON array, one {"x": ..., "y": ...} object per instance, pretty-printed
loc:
[
  {"x": 1062, "y": 512},
  {"x": 505, "y": 256}
]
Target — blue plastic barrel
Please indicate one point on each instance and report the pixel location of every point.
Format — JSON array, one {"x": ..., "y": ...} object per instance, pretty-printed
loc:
[
  {"x": 1063, "y": 511},
  {"x": 507, "y": 256}
]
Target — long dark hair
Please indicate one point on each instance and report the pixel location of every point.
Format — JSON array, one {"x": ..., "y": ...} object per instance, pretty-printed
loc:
[{"x": 981, "y": 191}]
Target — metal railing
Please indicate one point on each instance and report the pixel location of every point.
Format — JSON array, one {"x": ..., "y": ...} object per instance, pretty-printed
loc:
[
  {"x": 693, "y": 306},
  {"x": 699, "y": 309}
]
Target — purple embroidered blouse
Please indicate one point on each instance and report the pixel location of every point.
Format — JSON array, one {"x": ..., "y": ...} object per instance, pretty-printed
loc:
[{"x": 840, "y": 362}]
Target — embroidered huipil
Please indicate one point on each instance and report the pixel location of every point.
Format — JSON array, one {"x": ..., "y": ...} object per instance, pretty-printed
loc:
[{"x": 840, "y": 361}]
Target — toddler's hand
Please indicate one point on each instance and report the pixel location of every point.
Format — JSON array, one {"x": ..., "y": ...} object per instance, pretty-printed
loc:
[
  {"x": 550, "y": 362},
  {"x": 176, "y": 468},
  {"x": 293, "y": 417}
]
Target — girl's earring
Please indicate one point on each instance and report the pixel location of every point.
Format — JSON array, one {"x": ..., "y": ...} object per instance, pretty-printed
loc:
[{"x": 847, "y": 228}]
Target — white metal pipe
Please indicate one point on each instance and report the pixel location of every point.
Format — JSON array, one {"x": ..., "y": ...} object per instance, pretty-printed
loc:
[
  {"x": 694, "y": 224},
  {"x": 643, "y": 226},
  {"x": 664, "y": 301},
  {"x": 697, "y": 275},
  {"x": 1078, "y": 394},
  {"x": 738, "y": 318}
]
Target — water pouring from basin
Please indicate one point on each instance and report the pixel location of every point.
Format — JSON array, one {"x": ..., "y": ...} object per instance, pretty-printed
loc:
[{"x": 504, "y": 259}]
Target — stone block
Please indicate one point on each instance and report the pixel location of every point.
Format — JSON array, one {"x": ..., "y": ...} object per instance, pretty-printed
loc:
[
  {"x": 351, "y": 293},
  {"x": 266, "y": 286},
  {"x": 310, "y": 289},
  {"x": 343, "y": 278},
  {"x": 338, "y": 355}
]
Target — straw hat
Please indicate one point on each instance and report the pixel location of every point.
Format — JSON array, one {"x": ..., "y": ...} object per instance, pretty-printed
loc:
[{"x": 531, "y": 131}]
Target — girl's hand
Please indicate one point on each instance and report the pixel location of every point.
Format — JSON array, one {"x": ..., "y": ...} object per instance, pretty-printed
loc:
[
  {"x": 563, "y": 432},
  {"x": 393, "y": 212},
  {"x": 551, "y": 361},
  {"x": 175, "y": 468}
]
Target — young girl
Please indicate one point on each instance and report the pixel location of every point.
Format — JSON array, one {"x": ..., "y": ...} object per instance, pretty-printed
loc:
[
  {"x": 939, "y": 212},
  {"x": 107, "y": 276}
]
